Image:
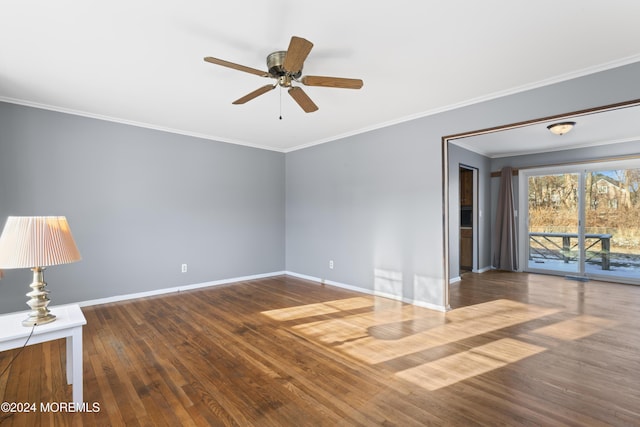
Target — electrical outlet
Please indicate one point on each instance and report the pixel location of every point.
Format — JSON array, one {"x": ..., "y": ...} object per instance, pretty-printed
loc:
[
  {"x": 331, "y": 264},
  {"x": 184, "y": 268}
]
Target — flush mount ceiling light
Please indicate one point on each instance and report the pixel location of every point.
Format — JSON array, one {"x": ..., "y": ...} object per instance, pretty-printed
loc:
[{"x": 561, "y": 128}]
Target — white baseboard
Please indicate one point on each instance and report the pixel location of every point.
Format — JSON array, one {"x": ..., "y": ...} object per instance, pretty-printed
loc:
[
  {"x": 154, "y": 292},
  {"x": 176, "y": 289},
  {"x": 368, "y": 291},
  {"x": 458, "y": 278}
]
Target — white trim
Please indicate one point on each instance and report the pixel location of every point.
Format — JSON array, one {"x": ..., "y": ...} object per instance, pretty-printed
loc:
[
  {"x": 523, "y": 88},
  {"x": 133, "y": 123},
  {"x": 479, "y": 271},
  {"x": 368, "y": 291},
  {"x": 118, "y": 298},
  {"x": 495, "y": 95},
  {"x": 257, "y": 276}
]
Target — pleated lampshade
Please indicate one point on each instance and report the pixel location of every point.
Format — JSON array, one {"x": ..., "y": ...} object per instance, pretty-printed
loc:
[{"x": 37, "y": 241}]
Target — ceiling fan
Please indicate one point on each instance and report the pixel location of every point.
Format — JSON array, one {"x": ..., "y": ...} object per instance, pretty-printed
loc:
[{"x": 286, "y": 67}]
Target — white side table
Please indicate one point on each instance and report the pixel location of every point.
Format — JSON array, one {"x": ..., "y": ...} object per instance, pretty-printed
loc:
[{"x": 68, "y": 324}]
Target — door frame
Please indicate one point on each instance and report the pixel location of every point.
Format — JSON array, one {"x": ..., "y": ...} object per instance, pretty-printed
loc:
[
  {"x": 445, "y": 174},
  {"x": 474, "y": 217}
]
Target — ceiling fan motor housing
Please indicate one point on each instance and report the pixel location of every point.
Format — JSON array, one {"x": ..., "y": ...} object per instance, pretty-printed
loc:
[
  {"x": 274, "y": 65},
  {"x": 286, "y": 67}
]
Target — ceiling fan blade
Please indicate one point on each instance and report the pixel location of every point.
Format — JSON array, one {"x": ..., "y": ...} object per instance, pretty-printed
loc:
[
  {"x": 339, "y": 82},
  {"x": 302, "y": 99},
  {"x": 236, "y": 66},
  {"x": 254, "y": 94},
  {"x": 297, "y": 52}
]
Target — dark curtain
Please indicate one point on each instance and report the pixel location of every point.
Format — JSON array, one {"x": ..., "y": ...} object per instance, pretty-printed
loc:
[{"x": 505, "y": 244}]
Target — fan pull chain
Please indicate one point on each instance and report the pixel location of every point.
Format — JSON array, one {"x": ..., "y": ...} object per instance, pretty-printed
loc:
[{"x": 281, "y": 103}]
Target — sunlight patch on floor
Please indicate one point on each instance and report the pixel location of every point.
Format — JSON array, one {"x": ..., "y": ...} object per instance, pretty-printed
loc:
[
  {"x": 576, "y": 328},
  {"x": 390, "y": 330},
  {"x": 351, "y": 334},
  {"x": 476, "y": 361},
  {"x": 310, "y": 310}
]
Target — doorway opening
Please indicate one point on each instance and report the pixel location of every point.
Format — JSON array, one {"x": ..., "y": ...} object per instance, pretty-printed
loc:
[
  {"x": 468, "y": 179},
  {"x": 449, "y": 139}
]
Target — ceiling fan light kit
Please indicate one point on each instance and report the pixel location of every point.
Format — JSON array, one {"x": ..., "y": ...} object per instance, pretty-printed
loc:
[{"x": 285, "y": 66}]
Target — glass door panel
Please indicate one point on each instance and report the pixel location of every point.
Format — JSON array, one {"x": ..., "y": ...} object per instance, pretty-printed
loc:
[
  {"x": 554, "y": 242},
  {"x": 612, "y": 223}
]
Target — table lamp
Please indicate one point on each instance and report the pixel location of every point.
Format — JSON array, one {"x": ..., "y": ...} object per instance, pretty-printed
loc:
[{"x": 36, "y": 242}]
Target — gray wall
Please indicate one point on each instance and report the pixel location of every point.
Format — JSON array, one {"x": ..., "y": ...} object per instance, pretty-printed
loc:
[
  {"x": 367, "y": 203},
  {"x": 373, "y": 202},
  {"x": 140, "y": 203}
]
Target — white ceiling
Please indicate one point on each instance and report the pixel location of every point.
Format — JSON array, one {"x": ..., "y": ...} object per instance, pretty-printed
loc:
[
  {"x": 141, "y": 62},
  {"x": 609, "y": 126}
]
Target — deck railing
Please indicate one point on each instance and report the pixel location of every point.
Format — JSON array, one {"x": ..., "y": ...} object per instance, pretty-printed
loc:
[{"x": 549, "y": 248}]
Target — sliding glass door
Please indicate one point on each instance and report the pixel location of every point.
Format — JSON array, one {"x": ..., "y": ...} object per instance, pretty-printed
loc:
[
  {"x": 583, "y": 221},
  {"x": 612, "y": 223},
  {"x": 553, "y": 222}
]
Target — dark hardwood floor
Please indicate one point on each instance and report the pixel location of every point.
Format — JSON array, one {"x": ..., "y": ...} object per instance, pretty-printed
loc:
[{"x": 516, "y": 349}]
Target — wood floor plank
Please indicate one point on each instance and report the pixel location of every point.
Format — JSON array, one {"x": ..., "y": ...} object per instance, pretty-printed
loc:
[{"x": 516, "y": 349}]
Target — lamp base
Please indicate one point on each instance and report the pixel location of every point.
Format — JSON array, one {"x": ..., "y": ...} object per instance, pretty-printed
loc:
[
  {"x": 38, "y": 319},
  {"x": 39, "y": 300}
]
